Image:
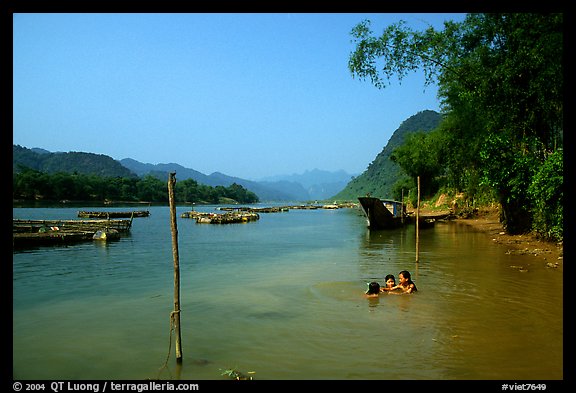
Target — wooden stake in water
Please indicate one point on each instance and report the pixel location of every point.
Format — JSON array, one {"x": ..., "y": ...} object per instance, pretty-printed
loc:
[
  {"x": 417, "y": 223},
  {"x": 176, "y": 313},
  {"x": 402, "y": 216}
]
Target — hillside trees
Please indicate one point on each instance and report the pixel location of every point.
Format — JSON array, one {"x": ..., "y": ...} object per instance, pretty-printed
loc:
[
  {"x": 30, "y": 184},
  {"x": 501, "y": 84},
  {"x": 421, "y": 155},
  {"x": 79, "y": 162}
]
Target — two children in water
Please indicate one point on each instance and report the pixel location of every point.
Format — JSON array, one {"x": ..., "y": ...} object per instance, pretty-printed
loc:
[{"x": 406, "y": 285}]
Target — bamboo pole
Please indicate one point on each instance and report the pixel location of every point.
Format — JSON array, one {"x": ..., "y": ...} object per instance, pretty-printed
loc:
[
  {"x": 176, "y": 313},
  {"x": 418, "y": 223},
  {"x": 402, "y": 207}
]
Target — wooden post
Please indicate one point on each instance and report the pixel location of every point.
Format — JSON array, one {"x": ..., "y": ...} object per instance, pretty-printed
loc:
[
  {"x": 418, "y": 223},
  {"x": 176, "y": 313},
  {"x": 402, "y": 219}
]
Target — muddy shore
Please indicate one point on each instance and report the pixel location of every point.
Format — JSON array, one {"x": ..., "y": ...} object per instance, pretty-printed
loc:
[{"x": 550, "y": 254}]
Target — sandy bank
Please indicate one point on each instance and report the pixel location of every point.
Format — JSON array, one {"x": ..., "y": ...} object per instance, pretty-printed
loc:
[{"x": 487, "y": 221}]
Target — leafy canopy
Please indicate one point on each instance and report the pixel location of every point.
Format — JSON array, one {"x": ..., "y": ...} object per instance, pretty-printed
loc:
[{"x": 501, "y": 86}]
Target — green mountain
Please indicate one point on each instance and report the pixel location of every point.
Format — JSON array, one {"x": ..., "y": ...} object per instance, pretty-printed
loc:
[
  {"x": 381, "y": 175},
  {"x": 79, "y": 162}
]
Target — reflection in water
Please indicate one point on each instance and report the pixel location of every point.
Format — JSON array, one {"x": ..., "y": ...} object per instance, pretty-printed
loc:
[{"x": 373, "y": 302}]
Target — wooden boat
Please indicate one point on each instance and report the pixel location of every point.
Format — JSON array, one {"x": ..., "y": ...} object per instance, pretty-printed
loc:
[
  {"x": 113, "y": 214},
  {"x": 383, "y": 213}
]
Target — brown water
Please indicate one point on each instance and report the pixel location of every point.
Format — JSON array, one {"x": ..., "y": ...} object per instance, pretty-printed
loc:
[{"x": 283, "y": 298}]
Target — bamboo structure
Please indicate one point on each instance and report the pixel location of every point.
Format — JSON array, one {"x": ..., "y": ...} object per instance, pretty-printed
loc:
[
  {"x": 417, "y": 223},
  {"x": 33, "y": 233},
  {"x": 32, "y": 226},
  {"x": 113, "y": 214},
  {"x": 175, "y": 316}
]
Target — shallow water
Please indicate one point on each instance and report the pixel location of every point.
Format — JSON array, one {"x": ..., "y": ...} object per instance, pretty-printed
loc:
[{"x": 282, "y": 298}]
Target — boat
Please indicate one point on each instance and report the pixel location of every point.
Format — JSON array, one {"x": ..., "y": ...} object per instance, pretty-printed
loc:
[{"x": 383, "y": 213}]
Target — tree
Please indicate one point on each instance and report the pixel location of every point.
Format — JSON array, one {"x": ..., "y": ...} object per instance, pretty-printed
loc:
[
  {"x": 31, "y": 184},
  {"x": 152, "y": 189},
  {"x": 501, "y": 84},
  {"x": 421, "y": 155}
]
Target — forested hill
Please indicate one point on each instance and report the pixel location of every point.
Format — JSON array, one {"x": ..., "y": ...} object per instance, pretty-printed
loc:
[
  {"x": 79, "y": 162},
  {"x": 382, "y": 174}
]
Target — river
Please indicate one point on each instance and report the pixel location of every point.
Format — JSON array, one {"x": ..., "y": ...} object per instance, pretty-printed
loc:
[{"x": 282, "y": 298}]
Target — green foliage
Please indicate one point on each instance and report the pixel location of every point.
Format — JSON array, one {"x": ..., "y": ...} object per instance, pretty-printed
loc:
[
  {"x": 501, "y": 84},
  {"x": 547, "y": 193},
  {"x": 30, "y": 184},
  {"x": 421, "y": 155},
  {"x": 509, "y": 171},
  {"x": 405, "y": 189},
  {"x": 150, "y": 188}
]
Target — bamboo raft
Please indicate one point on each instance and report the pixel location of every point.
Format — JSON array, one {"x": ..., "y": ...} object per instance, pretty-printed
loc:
[
  {"x": 225, "y": 218},
  {"x": 113, "y": 214},
  {"x": 30, "y": 233},
  {"x": 277, "y": 209}
]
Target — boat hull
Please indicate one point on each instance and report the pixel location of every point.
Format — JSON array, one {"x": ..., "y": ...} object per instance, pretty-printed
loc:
[{"x": 379, "y": 216}]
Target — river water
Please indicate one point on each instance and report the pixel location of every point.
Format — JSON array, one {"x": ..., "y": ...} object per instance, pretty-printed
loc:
[{"x": 282, "y": 298}]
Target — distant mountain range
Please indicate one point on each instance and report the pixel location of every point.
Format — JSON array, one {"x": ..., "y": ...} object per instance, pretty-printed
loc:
[
  {"x": 378, "y": 179},
  {"x": 276, "y": 190},
  {"x": 319, "y": 184},
  {"x": 312, "y": 185}
]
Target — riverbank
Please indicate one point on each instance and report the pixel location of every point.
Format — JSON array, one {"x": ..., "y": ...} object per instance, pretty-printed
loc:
[{"x": 487, "y": 220}]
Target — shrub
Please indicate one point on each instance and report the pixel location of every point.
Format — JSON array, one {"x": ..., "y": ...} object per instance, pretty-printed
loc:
[{"x": 547, "y": 193}]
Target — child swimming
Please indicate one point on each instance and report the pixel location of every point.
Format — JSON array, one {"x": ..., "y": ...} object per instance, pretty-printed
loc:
[
  {"x": 390, "y": 283},
  {"x": 373, "y": 289},
  {"x": 406, "y": 283}
]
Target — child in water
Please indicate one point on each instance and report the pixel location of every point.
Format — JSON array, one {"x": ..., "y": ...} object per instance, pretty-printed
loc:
[
  {"x": 406, "y": 283},
  {"x": 390, "y": 283},
  {"x": 373, "y": 289}
]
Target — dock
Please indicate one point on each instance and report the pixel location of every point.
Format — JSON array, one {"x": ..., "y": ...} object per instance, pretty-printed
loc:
[
  {"x": 31, "y": 233},
  {"x": 113, "y": 214}
]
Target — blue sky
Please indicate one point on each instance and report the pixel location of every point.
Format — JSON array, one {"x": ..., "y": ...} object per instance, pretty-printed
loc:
[{"x": 248, "y": 95}]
